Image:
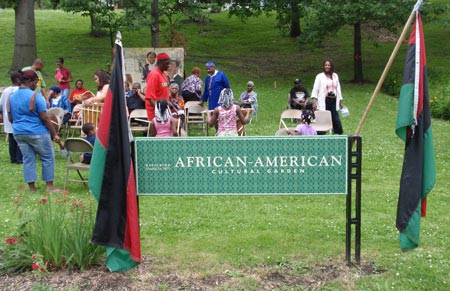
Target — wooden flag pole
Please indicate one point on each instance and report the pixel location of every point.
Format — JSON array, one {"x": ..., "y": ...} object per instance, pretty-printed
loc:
[{"x": 386, "y": 70}]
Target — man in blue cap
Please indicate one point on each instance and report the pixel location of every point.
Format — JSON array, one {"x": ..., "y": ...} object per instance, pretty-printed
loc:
[{"x": 215, "y": 82}]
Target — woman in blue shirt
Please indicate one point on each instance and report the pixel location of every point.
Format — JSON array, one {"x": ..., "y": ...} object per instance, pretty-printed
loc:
[{"x": 33, "y": 131}]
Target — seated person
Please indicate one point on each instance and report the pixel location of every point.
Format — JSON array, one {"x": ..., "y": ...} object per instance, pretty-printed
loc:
[
  {"x": 56, "y": 100},
  {"x": 298, "y": 97},
  {"x": 163, "y": 125},
  {"x": 226, "y": 114},
  {"x": 136, "y": 99},
  {"x": 78, "y": 94},
  {"x": 89, "y": 130},
  {"x": 305, "y": 127},
  {"x": 176, "y": 102},
  {"x": 248, "y": 99}
]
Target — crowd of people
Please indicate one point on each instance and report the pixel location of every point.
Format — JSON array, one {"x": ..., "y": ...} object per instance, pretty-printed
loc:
[{"x": 30, "y": 131}]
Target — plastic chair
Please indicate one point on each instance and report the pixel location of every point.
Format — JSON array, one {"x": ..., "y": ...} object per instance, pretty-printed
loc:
[
  {"x": 138, "y": 121},
  {"x": 323, "y": 122},
  {"x": 289, "y": 114},
  {"x": 193, "y": 115},
  {"x": 283, "y": 132},
  {"x": 74, "y": 147},
  {"x": 56, "y": 111}
]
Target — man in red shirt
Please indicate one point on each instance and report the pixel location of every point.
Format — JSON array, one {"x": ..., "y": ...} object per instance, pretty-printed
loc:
[{"x": 157, "y": 84}]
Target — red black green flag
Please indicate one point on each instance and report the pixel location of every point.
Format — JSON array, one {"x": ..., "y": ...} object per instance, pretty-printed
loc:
[
  {"x": 414, "y": 128},
  {"x": 111, "y": 179}
]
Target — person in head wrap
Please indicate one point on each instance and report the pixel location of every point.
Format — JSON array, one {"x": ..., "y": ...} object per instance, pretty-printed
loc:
[
  {"x": 33, "y": 131},
  {"x": 61, "y": 101},
  {"x": 215, "y": 82},
  {"x": 225, "y": 115},
  {"x": 163, "y": 124},
  {"x": 157, "y": 84}
]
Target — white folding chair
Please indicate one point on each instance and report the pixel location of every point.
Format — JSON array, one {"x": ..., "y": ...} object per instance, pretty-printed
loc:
[
  {"x": 289, "y": 114},
  {"x": 193, "y": 115},
  {"x": 76, "y": 146},
  {"x": 323, "y": 121},
  {"x": 138, "y": 121}
]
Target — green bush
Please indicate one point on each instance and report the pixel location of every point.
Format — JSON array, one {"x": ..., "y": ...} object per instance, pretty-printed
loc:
[
  {"x": 54, "y": 233},
  {"x": 440, "y": 102},
  {"x": 392, "y": 84},
  {"x": 214, "y": 8}
]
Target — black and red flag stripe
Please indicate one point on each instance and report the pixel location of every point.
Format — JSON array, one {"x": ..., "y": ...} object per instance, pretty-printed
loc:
[{"x": 111, "y": 178}]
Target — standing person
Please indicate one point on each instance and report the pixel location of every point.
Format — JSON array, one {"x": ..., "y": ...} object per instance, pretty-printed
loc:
[
  {"x": 37, "y": 67},
  {"x": 15, "y": 155},
  {"x": 157, "y": 84},
  {"x": 305, "y": 128},
  {"x": 225, "y": 115},
  {"x": 151, "y": 63},
  {"x": 298, "y": 97},
  {"x": 101, "y": 78},
  {"x": 215, "y": 82},
  {"x": 327, "y": 94},
  {"x": 64, "y": 76},
  {"x": 191, "y": 89},
  {"x": 33, "y": 131}
]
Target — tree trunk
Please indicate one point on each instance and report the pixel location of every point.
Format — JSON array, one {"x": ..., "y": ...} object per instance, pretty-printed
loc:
[
  {"x": 155, "y": 24},
  {"x": 95, "y": 27},
  {"x": 25, "y": 35},
  {"x": 295, "y": 20},
  {"x": 357, "y": 61}
]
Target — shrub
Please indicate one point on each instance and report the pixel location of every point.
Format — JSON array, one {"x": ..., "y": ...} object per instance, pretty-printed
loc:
[
  {"x": 440, "y": 102},
  {"x": 54, "y": 233},
  {"x": 392, "y": 84}
]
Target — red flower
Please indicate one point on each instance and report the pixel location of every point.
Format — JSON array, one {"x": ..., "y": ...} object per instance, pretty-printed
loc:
[
  {"x": 42, "y": 270},
  {"x": 11, "y": 240},
  {"x": 35, "y": 266},
  {"x": 22, "y": 239},
  {"x": 34, "y": 257},
  {"x": 43, "y": 200},
  {"x": 65, "y": 192}
]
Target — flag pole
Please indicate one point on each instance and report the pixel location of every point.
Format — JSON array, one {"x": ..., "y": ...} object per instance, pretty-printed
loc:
[{"x": 388, "y": 66}]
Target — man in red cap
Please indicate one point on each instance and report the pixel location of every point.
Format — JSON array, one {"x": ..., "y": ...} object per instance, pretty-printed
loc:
[{"x": 157, "y": 84}]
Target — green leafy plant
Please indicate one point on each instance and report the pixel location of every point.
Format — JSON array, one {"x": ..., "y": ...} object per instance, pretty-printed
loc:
[
  {"x": 392, "y": 84},
  {"x": 54, "y": 233},
  {"x": 440, "y": 103}
]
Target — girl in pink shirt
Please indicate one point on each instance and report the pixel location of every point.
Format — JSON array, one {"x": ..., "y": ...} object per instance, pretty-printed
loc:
[
  {"x": 225, "y": 115},
  {"x": 163, "y": 124}
]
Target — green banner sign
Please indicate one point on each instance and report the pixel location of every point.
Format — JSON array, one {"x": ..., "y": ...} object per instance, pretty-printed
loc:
[{"x": 241, "y": 165}]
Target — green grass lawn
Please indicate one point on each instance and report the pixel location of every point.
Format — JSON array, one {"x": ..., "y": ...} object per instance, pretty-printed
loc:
[{"x": 217, "y": 235}]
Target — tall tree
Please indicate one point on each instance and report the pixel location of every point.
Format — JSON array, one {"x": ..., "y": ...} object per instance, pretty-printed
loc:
[
  {"x": 25, "y": 33},
  {"x": 288, "y": 12},
  {"x": 156, "y": 13},
  {"x": 155, "y": 23},
  {"x": 101, "y": 13},
  {"x": 329, "y": 16}
]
